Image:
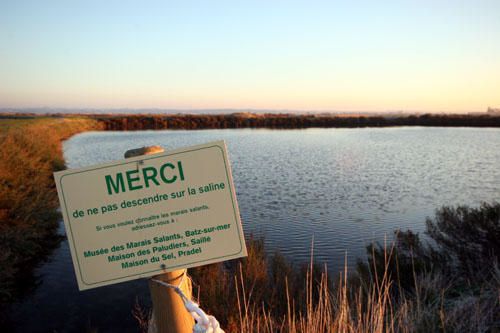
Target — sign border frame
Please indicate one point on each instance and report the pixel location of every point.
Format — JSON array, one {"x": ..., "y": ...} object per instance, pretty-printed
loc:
[{"x": 237, "y": 220}]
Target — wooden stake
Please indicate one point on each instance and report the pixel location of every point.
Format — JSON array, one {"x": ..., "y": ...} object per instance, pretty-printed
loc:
[{"x": 169, "y": 313}]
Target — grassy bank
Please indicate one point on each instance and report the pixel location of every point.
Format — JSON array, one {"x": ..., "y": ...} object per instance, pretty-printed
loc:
[
  {"x": 450, "y": 283},
  {"x": 134, "y": 122},
  {"x": 31, "y": 152}
]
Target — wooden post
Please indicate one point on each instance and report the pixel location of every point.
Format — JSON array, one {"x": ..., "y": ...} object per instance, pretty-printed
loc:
[{"x": 169, "y": 313}]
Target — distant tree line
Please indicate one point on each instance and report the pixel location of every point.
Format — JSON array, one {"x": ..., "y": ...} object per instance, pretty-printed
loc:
[{"x": 287, "y": 121}]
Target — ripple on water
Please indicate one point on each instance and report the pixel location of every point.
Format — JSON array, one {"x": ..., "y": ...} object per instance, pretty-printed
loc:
[{"x": 344, "y": 187}]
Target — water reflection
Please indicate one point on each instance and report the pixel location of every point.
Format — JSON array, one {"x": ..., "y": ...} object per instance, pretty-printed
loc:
[{"x": 345, "y": 187}]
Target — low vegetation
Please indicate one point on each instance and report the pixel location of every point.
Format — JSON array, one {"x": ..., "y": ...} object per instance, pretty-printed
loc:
[
  {"x": 31, "y": 152},
  {"x": 134, "y": 122},
  {"x": 282, "y": 121},
  {"x": 449, "y": 282}
]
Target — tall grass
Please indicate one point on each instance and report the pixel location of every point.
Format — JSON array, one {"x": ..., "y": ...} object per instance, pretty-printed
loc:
[
  {"x": 353, "y": 308},
  {"x": 30, "y": 153},
  {"x": 257, "y": 295},
  {"x": 407, "y": 284}
]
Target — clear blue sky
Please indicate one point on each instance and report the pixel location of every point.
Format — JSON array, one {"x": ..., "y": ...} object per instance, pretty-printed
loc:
[{"x": 299, "y": 55}]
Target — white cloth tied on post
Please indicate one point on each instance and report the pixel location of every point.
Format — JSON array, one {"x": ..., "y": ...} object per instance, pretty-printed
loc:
[{"x": 204, "y": 323}]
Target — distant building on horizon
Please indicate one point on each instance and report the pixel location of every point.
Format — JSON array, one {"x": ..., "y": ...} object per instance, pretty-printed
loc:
[{"x": 493, "y": 110}]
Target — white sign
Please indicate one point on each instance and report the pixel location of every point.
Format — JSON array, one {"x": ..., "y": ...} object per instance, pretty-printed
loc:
[{"x": 150, "y": 214}]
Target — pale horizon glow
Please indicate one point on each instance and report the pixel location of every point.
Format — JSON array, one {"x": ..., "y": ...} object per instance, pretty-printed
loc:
[{"x": 425, "y": 56}]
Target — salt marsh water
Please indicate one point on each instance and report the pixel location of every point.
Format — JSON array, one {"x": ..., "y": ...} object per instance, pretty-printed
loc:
[{"x": 342, "y": 187}]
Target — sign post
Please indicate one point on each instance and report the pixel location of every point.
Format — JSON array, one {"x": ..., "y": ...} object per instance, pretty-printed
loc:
[
  {"x": 150, "y": 215},
  {"x": 169, "y": 313}
]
